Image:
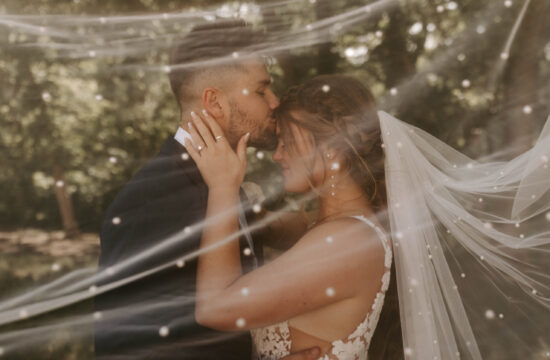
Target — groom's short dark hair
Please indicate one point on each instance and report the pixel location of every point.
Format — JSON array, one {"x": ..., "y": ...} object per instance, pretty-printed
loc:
[{"x": 218, "y": 45}]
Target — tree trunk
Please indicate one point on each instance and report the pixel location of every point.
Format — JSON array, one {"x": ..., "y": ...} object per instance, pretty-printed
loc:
[
  {"x": 327, "y": 60},
  {"x": 399, "y": 63},
  {"x": 273, "y": 25},
  {"x": 520, "y": 94},
  {"x": 64, "y": 202}
]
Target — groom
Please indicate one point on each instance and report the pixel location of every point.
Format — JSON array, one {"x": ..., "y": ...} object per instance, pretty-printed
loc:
[{"x": 150, "y": 224}]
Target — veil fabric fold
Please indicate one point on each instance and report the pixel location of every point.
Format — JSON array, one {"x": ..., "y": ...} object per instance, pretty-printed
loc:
[{"x": 471, "y": 245}]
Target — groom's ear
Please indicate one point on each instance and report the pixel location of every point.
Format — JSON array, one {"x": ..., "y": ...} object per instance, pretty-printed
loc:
[{"x": 213, "y": 100}]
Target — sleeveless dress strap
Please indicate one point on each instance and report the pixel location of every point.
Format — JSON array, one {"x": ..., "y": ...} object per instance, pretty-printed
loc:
[{"x": 381, "y": 235}]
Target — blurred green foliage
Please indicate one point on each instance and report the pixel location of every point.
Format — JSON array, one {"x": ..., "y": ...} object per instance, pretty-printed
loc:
[{"x": 99, "y": 125}]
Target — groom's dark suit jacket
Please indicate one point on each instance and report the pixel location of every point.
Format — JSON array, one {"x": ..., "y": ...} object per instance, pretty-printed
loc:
[{"x": 165, "y": 196}]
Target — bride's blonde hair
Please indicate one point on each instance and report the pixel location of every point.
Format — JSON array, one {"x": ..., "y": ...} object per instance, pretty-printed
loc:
[{"x": 340, "y": 111}]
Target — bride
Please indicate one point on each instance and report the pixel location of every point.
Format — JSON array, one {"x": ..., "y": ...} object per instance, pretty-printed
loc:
[
  {"x": 328, "y": 290},
  {"x": 336, "y": 288}
]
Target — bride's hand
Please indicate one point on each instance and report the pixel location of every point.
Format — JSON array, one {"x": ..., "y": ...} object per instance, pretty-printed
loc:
[{"x": 219, "y": 164}]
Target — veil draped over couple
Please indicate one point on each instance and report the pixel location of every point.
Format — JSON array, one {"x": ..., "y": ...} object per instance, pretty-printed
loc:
[{"x": 412, "y": 250}]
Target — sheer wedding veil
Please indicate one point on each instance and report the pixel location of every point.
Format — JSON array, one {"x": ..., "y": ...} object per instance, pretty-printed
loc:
[
  {"x": 470, "y": 238},
  {"x": 471, "y": 246}
]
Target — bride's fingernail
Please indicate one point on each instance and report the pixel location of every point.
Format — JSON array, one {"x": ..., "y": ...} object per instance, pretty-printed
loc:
[
  {"x": 189, "y": 124},
  {"x": 204, "y": 112},
  {"x": 193, "y": 114}
]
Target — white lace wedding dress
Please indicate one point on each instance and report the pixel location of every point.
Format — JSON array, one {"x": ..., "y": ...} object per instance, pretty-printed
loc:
[{"x": 273, "y": 342}]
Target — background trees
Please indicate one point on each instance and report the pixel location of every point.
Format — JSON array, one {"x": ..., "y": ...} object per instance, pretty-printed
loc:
[{"x": 75, "y": 126}]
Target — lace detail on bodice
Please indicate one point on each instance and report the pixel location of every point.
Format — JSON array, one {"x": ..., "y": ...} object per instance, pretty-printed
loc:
[{"x": 273, "y": 342}]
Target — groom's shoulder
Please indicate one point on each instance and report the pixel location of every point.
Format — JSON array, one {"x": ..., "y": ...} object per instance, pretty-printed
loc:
[
  {"x": 161, "y": 175},
  {"x": 162, "y": 168}
]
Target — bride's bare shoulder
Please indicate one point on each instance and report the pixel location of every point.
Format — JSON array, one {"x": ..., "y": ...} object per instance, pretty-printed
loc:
[{"x": 343, "y": 234}]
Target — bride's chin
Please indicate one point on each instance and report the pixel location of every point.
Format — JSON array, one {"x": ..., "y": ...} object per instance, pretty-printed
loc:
[
  {"x": 288, "y": 186},
  {"x": 291, "y": 185}
]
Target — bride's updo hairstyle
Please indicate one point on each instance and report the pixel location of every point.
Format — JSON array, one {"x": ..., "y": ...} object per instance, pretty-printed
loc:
[{"x": 340, "y": 112}]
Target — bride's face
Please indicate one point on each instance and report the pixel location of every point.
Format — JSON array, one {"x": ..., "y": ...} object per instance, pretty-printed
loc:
[{"x": 302, "y": 166}]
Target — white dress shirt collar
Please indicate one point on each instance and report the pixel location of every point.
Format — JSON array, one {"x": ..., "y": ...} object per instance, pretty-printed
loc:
[{"x": 181, "y": 135}]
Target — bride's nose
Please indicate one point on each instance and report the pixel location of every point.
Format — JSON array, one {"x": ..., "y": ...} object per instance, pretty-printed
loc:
[{"x": 278, "y": 154}]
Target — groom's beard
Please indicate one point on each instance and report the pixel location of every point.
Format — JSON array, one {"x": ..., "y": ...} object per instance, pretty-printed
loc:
[{"x": 262, "y": 136}]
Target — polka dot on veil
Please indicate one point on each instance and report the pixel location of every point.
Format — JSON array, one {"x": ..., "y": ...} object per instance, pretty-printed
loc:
[
  {"x": 164, "y": 331},
  {"x": 241, "y": 322}
]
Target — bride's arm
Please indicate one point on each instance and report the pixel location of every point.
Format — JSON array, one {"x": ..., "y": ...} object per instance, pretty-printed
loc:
[
  {"x": 312, "y": 274},
  {"x": 319, "y": 270},
  {"x": 223, "y": 171},
  {"x": 220, "y": 264}
]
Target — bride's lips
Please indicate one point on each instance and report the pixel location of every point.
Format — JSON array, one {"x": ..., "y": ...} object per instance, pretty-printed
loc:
[{"x": 285, "y": 171}]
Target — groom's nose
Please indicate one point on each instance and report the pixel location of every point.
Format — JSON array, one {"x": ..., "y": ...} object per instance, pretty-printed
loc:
[{"x": 273, "y": 100}]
